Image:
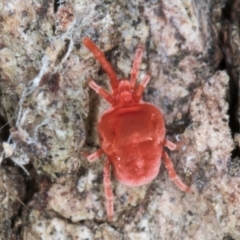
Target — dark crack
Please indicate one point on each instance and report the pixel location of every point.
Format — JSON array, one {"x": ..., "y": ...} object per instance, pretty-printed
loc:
[{"x": 229, "y": 44}]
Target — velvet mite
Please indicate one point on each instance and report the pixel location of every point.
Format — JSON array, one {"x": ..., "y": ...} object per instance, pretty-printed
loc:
[{"x": 132, "y": 132}]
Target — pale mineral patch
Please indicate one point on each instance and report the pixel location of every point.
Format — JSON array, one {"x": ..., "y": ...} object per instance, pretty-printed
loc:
[{"x": 55, "y": 229}]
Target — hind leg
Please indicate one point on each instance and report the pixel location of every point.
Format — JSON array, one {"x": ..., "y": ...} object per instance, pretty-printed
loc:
[
  {"x": 92, "y": 157},
  {"x": 172, "y": 174},
  {"x": 108, "y": 189}
]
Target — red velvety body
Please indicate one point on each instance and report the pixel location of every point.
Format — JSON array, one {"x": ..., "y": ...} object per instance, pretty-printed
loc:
[
  {"x": 133, "y": 138},
  {"x": 131, "y": 131}
]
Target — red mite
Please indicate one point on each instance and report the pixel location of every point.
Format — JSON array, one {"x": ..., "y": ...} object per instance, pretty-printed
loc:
[{"x": 131, "y": 131}]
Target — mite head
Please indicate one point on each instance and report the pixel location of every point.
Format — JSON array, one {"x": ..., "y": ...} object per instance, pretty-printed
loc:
[{"x": 125, "y": 92}]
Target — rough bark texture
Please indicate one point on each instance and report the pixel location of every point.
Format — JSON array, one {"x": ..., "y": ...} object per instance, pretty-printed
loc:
[{"x": 52, "y": 117}]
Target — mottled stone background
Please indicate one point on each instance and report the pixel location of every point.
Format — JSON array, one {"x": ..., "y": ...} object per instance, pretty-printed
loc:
[{"x": 48, "y": 115}]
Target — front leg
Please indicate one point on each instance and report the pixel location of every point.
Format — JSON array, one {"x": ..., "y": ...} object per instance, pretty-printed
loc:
[{"x": 101, "y": 91}]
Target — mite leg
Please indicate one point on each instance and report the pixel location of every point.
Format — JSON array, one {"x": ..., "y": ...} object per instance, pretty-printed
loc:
[
  {"x": 170, "y": 145},
  {"x": 108, "y": 189},
  {"x": 172, "y": 174},
  {"x": 102, "y": 92},
  {"x": 141, "y": 87},
  {"x": 99, "y": 55},
  {"x": 92, "y": 157},
  {"x": 136, "y": 64}
]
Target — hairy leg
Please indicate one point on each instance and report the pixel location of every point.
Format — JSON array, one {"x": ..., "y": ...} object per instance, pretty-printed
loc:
[
  {"x": 101, "y": 91},
  {"x": 92, "y": 157},
  {"x": 99, "y": 55},
  {"x": 108, "y": 190},
  {"x": 141, "y": 87},
  {"x": 173, "y": 146},
  {"x": 172, "y": 174},
  {"x": 136, "y": 64},
  {"x": 170, "y": 145}
]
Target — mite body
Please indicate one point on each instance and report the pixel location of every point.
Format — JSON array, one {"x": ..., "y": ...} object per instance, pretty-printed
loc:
[
  {"x": 132, "y": 132},
  {"x": 132, "y": 138}
]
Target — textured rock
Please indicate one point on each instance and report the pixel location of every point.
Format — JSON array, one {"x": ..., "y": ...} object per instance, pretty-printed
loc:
[
  {"x": 12, "y": 193},
  {"x": 44, "y": 96},
  {"x": 43, "y": 93},
  {"x": 55, "y": 228}
]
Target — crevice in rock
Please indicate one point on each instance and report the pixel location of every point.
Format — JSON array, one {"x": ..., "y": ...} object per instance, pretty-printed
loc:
[
  {"x": 228, "y": 237},
  {"x": 92, "y": 118},
  {"x": 57, "y": 4},
  {"x": 63, "y": 52},
  {"x": 32, "y": 186},
  {"x": 4, "y": 129},
  {"x": 94, "y": 102},
  {"x": 228, "y": 63}
]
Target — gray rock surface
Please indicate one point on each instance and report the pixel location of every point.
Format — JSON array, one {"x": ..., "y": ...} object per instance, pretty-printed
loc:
[{"x": 53, "y": 117}]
